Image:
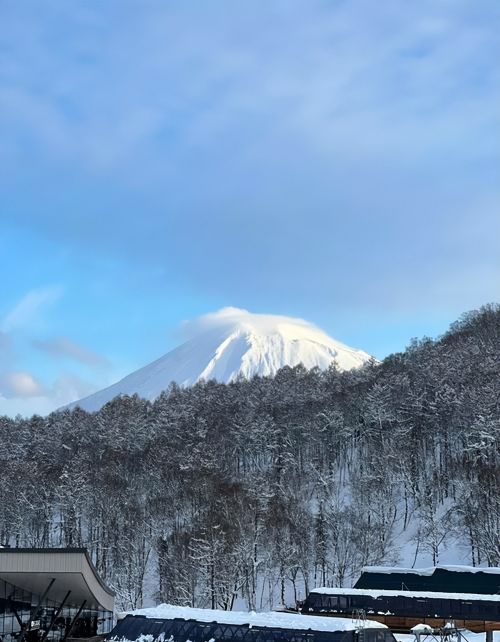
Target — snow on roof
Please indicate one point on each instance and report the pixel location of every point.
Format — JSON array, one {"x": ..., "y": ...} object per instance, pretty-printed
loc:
[
  {"x": 270, "y": 620},
  {"x": 421, "y": 628},
  {"x": 416, "y": 594},
  {"x": 430, "y": 570}
]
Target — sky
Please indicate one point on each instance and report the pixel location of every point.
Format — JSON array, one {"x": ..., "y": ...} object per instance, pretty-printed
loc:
[{"x": 336, "y": 161}]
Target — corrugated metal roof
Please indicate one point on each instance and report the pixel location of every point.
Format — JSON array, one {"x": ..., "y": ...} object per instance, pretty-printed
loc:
[
  {"x": 446, "y": 579},
  {"x": 32, "y": 569}
]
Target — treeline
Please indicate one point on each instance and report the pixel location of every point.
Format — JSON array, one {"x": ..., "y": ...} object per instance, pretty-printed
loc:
[{"x": 263, "y": 489}]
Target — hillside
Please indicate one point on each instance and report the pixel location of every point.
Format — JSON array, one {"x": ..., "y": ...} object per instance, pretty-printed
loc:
[{"x": 271, "y": 486}]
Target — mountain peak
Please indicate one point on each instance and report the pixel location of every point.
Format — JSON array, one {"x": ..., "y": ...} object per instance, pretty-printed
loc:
[{"x": 229, "y": 343}]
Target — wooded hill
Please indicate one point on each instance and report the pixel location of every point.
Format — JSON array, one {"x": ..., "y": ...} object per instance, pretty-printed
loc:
[{"x": 266, "y": 488}]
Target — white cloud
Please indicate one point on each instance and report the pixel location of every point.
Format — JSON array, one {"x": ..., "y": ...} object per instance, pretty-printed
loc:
[
  {"x": 21, "y": 393},
  {"x": 29, "y": 308},
  {"x": 211, "y": 320},
  {"x": 333, "y": 74},
  {"x": 236, "y": 316},
  {"x": 20, "y": 384},
  {"x": 68, "y": 388},
  {"x": 65, "y": 348}
]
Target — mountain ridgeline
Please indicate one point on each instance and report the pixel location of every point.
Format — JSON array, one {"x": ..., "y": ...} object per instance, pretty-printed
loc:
[
  {"x": 231, "y": 344},
  {"x": 265, "y": 488}
]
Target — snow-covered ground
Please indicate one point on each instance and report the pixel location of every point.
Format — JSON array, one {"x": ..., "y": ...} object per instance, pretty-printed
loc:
[{"x": 468, "y": 635}]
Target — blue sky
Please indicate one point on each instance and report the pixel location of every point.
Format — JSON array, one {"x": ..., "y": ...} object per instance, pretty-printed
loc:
[{"x": 336, "y": 161}]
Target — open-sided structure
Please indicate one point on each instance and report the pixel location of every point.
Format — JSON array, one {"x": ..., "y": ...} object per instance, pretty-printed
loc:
[
  {"x": 180, "y": 624},
  {"x": 51, "y": 594}
]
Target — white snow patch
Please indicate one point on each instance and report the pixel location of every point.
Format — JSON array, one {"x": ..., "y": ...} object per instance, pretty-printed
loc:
[
  {"x": 430, "y": 570},
  {"x": 270, "y": 620},
  {"x": 468, "y": 635},
  {"x": 422, "y": 628},
  {"x": 375, "y": 593}
]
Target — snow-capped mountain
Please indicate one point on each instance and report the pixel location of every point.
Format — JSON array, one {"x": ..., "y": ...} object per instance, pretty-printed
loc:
[{"x": 232, "y": 343}]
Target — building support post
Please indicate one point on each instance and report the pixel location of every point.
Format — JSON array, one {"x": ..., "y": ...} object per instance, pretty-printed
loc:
[
  {"x": 34, "y": 613},
  {"x": 55, "y": 616},
  {"x": 73, "y": 621}
]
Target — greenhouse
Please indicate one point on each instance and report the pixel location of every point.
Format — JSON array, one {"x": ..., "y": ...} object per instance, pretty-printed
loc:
[{"x": 183, "y": 624}]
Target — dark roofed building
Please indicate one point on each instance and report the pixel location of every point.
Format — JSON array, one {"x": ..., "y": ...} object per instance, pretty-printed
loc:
[
  {"x": 185, "y": 624},
  {"x": 52, "y": 594},
  {"x": 459, "y": 596},
  {"x": 444, "y": 579}
]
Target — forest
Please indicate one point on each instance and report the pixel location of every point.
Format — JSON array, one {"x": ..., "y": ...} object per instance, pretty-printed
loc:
[{"x": 260, "y": 490}]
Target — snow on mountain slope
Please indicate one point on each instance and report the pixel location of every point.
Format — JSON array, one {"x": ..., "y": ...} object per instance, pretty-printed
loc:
[{"x": 232, "y": 343}]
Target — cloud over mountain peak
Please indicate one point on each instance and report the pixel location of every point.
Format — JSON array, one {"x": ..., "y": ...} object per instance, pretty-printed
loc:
[{"x": 230, "y": 343}]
